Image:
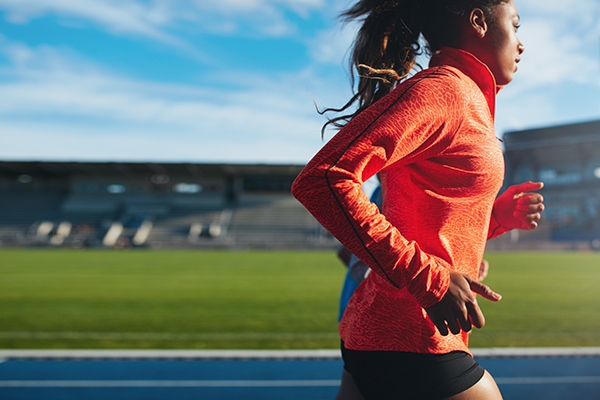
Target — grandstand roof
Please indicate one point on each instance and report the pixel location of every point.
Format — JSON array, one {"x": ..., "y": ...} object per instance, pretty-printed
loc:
[
  {"x": 52, "y": 168},
  {"x": 553, "y": 136}
]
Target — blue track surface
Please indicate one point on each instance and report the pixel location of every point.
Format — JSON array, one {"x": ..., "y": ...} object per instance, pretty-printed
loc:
[{"x": 518, "y": 378}]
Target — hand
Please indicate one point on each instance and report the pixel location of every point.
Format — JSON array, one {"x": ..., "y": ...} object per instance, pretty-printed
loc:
[
  {"x": 517, "y": 208},
  {"x": 458, "y": 309},
  {"x": 484, "y": 267},
  {"x": 357, "y": 270}
]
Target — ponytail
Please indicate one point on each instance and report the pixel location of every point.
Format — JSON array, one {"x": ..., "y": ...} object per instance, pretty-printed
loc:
[{"x": 383, "y": 53}]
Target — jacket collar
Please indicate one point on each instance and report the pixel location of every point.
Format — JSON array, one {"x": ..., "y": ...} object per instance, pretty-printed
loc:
[{"x": 468, "y": 64}]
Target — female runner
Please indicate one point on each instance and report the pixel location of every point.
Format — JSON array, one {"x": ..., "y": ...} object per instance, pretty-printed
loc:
[{"x": 431, "y": 137}]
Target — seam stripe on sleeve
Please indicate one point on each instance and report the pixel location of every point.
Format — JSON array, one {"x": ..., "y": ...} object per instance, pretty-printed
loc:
[{"x": 330, "y": 186}]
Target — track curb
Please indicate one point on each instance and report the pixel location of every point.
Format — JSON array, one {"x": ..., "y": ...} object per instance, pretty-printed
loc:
[{"x": 325, "y": 354}]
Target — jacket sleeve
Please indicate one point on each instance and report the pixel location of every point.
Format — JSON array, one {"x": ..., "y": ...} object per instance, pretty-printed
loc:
[{"x": 398, "y": 130}]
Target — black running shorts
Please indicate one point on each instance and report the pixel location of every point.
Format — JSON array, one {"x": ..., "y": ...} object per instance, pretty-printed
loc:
[{"x": 381, "y": 375}]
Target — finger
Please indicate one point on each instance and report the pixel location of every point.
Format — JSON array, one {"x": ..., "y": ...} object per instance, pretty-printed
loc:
[
  {"x": 526, "y": 199},
  {"x": 527, "y": 226},
  {"x": 533, "y": 217},
  {"x": 477, "y": 318},
  {"x": 446, "y": 313},
  {"x": 462, "y": 315},
  {"x": 536, "y": 207},
  {"x": 526, "y": 187},
  {"x": 466, "y": 325},
  {"x": 527, "y": 221},
  {"x": 438, "y": 321},
  {"x": 524, "y": 210},
  {"x": 532, "y": 196},
  {"x": 527, "y": 216},
  {"x": 453, "y": 325},
  {"x": 442, "y": 328},
  {"x": 484, "y": 290}
]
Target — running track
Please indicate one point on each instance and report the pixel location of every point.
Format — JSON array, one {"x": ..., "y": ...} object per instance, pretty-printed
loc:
[{"x": 521, "y": 374}]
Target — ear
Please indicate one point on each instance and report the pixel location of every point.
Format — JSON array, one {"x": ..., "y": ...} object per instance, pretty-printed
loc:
[{"x": 477, "y": 22}]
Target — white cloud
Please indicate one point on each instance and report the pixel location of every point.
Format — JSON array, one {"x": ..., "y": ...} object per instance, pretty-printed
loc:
[
  {"x": 118, "y": 16},
  {"x": 244, "y": 6},
  {"x": 552, "y": 59},
  {"x": 55, "y": 106},
  {"x": 247, "y": 17},
  {"x": 555, "y": 53},
  {"x": 119, "y": 100},
  {"x": 153, "y": 18},
  {"x": 332, "y": 46},
  {"x": 567, "y": 9},
  {"x": 559, "y": 76},
  {"x": 67, "y": 142}
]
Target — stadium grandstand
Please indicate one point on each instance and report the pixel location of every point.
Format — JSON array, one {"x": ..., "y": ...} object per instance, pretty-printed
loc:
[
  {"x": 102, "y": 204},
  {"x": 112, "y": 204},
  {"x": 567, "y": 159}
]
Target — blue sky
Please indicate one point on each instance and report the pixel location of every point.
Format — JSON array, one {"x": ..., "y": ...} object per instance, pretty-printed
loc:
[{"x": 232, "y": 80}]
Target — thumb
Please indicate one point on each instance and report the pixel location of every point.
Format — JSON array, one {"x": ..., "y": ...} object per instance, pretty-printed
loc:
[
  {"x": 526, "y": 187},
  {"x": 484, "y": 290}
]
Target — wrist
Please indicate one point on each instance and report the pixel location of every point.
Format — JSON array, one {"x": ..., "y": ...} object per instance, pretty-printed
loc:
[
  {"x": 430, "y": 286},
  {"x": 496, "y": 229},
  {"x": 497, "y": 221}
]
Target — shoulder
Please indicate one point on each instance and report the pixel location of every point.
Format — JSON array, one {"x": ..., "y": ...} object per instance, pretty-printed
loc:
[
  {"x": 441, "y": 80},
  {"x": 444, "y": 88}
]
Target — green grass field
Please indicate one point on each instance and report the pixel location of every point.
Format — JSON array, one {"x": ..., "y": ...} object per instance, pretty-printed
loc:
[{"x": 259, "y": 299}]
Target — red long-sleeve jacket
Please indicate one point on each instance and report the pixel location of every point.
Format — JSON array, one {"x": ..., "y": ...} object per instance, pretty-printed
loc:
[{"x": 441, "y": 167}]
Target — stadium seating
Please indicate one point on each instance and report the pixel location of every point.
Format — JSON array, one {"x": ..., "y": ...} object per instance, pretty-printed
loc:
[
  {"x": 272, "y": 219},
  {"x": 127, "y": 205},
  {"x": 22, "y": 213}
]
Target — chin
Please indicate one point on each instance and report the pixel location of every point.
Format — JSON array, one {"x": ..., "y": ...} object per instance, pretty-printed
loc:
[{"x": 505, "y": 80}]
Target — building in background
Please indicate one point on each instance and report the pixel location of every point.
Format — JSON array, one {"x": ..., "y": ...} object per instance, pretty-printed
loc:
[{"x": 567, "y": 159}]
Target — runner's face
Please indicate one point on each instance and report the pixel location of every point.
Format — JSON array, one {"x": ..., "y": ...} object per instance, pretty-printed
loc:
[{"x": 502, "y": 47}]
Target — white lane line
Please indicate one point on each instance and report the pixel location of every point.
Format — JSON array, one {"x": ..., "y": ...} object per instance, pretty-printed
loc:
[
  {"x": 512, "y": 352},
  {"x": 324, "y": 354},
  {"x": 530, "y": 380},
  {"x": 275, "y": 354},
  {"x": 546, "y": 380},
  {"x": 166, "y": 383}
]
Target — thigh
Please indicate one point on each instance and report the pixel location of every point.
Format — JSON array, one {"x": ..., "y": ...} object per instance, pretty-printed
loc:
[
  {"x": 348, "y": 389},
  {"x": 486, "y": 389}
]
